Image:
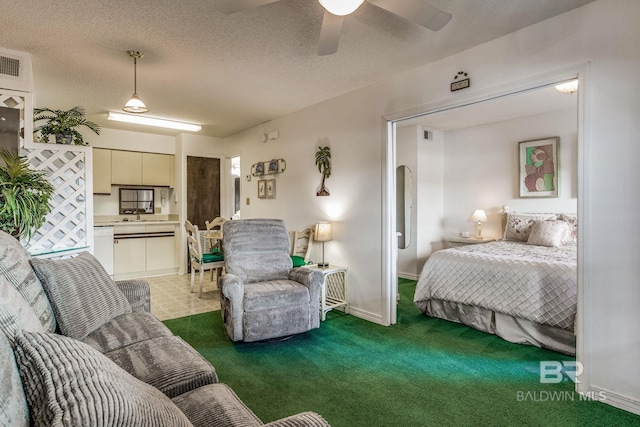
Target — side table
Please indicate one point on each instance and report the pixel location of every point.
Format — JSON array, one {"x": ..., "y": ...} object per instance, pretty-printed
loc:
[
  {"x": 334, "y": 288},
  {"x": 461, "y": 241}
]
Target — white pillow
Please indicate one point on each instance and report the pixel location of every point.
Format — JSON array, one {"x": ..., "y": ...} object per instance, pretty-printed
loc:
[
  {"x": 519, "y": 226},
  {"x": 549, "y": 233}
]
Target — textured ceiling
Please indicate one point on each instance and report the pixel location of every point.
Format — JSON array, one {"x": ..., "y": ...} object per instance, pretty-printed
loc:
[{"x": 232, "y": 72}]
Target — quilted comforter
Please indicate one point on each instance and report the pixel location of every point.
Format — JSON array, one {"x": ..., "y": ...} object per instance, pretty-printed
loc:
[{"x": 536, "y": 283}]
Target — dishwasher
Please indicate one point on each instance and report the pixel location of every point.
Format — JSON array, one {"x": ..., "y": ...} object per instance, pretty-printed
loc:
[{"x": 103, "y": 247}]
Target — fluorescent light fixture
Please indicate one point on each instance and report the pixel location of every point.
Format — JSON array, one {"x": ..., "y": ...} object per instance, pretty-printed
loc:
[
  {"x": 567, "y": 87},
  {"x": 341, "y": 7},
  {"x": 153, "y": 121}
]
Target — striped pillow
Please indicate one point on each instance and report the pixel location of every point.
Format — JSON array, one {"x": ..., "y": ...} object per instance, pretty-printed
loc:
[
  {"x": 14, "y": 266},
  {"x": 15, "y": 312},
  {"x": 82, "y": 294},
  {"x": 68, "y": 383}
]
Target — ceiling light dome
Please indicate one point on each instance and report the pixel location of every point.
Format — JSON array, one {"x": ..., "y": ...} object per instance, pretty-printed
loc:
[
  {"x": 341, "y": 7},
  {"x": 567, "y": 87}
]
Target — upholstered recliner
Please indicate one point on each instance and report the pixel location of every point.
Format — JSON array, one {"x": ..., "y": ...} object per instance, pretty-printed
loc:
[{"x": 261, "y": 295}]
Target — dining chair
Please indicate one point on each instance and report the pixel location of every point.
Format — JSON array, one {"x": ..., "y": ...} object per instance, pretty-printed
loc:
[
  {"x": 214, "y": 228},
  {"x": 301, "y": 241},
  {"x": 200, "y": 260}
]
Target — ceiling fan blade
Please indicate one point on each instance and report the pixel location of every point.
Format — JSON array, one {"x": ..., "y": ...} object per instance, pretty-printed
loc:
[
  {"x": 416, "y": 11},
  {"x": 330, "y": 33},
  {"x": 232, "y": 6}
]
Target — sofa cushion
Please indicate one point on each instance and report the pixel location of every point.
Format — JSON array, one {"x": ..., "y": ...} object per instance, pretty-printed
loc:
[
  {"x": 15, "y": 312},
  {"x": 82, "y": 294},
  {"x": 167, "y": 363},
  {"x": 215, "y": 405},
  {"x": 15, "y": 267},
  {"x": 69, "y": 383},
  {"x": 126, "y": 330},
  {"x": 13, "y": 403}
]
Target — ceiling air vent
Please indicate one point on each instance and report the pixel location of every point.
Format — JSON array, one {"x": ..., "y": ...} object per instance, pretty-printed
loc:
[
  {"x": 9, "y": 66},
  {"x": 15, "y": 70}
]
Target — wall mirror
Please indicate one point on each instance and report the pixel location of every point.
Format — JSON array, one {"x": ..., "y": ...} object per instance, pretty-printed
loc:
[{"x": 403, "y": 206}]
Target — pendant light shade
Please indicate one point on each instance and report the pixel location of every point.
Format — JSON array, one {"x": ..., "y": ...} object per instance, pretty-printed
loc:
[
  {"x": 341, "y": 7},
  {"x": 135, "y": 104}
]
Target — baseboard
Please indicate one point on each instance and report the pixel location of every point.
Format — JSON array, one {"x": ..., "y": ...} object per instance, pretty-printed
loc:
[
  {"x": 408, "y": 276},
  {"x": 366, "y": 315},
  {"x": 614, "y": 399}
]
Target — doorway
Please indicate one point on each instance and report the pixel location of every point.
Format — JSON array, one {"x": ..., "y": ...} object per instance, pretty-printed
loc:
[
  {"x": 456, "y": 107},
  {"x": 203, "y": 190}
]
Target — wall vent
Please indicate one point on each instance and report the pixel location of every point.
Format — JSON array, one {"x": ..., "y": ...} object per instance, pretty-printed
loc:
[
  {"x": 427, "y": 135},
  {"x": 15, "y": 70}
]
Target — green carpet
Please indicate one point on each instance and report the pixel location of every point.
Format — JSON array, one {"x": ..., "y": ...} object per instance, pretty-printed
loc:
[{"x": 419, "y": 372}]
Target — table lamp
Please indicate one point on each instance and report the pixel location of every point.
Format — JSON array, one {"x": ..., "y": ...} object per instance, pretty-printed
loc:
[
  {"x": 322, "y": 233},
  {"x": 480, "y": 216}
]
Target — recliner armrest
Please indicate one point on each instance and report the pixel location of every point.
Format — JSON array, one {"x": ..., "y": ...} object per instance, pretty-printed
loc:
[
  {"x": 312, "y": 279},
  {"x": 137, "y": 293},
  {"x": 231, "y": 301}
]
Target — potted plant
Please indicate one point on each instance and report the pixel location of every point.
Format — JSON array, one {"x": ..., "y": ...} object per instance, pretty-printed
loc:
[
  {"x": 323, "y": 161},
  {"x": 24, "y": 196},
  {"x": 63, "y": 124}
]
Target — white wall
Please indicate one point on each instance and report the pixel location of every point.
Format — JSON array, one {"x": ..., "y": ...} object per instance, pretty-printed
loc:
[
  {"x": 481, "y": 170},
  {"x": 604, "y": 34}
]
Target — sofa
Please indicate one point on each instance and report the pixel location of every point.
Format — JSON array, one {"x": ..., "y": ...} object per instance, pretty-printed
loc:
[{"x": 79, "y": 349}]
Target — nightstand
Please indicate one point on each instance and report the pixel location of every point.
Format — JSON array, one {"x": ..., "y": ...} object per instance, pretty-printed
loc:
[
  {"x": 334, "y": 288},
  {"x": 461, "y": 241}
]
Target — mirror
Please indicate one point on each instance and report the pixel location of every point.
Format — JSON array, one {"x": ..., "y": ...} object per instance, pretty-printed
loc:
[
  {"x": 136, "y": 201},
  {"x": 403, "y": 206}
]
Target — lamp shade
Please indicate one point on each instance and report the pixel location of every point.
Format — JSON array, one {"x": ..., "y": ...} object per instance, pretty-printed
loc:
[
  {"x": 135, "y": 105},
  {"x": 341, "y": 7},
  {"x": 323, "y": 232},
  {"x": 479, "y": 215}
]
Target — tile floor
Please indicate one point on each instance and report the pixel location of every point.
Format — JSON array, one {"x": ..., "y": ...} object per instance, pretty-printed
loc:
[{"x": 171, "y": 296}]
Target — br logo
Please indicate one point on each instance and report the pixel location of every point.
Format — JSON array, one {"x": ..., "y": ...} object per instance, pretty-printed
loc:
[{"x": 554, "y": 372}]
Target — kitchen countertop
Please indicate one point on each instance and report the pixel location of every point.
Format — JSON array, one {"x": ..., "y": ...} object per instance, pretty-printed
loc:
[{"x": 103, "y": 221}]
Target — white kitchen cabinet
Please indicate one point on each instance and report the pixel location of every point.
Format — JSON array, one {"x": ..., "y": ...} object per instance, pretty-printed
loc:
[
  {"x": 126, "y": 167},
  {"x": 141, "y": 250},
  {"x": 101, "y": 171},
  {"x": 157, "y": 170}
]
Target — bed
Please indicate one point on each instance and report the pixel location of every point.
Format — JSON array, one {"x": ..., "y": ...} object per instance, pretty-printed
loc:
[{"x": 522, "y": 288}]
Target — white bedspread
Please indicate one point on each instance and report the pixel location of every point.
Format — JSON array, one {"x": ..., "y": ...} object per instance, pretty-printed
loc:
[{"x": 531, "y": 282}]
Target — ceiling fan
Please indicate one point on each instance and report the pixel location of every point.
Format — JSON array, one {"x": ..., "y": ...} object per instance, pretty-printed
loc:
[{"x": 416, "y": 11}]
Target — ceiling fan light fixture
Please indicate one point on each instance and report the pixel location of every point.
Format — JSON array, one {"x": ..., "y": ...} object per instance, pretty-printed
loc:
[
  {"x": 135, "y": 104},
  {"x": 341, "y": 7}
]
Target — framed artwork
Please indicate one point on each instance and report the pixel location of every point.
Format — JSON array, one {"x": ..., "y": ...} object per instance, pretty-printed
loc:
[
  {"x": 262, "y": 189},
  {"x": 271, "y": 189},
  {"x": 538, "y": 163}
]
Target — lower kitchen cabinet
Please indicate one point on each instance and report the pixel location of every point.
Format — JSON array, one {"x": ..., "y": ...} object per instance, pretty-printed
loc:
[{"x": 144, "y": 251}]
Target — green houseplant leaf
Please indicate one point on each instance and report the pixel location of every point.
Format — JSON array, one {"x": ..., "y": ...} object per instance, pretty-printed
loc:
[
  {"x": 24, "y": 196},
  {"x": 63, "y": 123}
]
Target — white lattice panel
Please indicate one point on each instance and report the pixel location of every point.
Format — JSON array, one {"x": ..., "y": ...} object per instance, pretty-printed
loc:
[{"x": 65, "y": 227}]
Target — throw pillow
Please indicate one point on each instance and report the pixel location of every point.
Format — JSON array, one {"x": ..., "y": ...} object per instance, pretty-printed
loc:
[
  {"x": 549, "y": 233},
  {"x": 572, "y": 220},
  {"x": 82, "y": 294},
  {"x": 519, "y": 226},
  {"x": 298, "y": 261},
  {"x": 15, "y": 312},
  {"x": 68, "y": 383},
  {"x": 14, "y": 266}
]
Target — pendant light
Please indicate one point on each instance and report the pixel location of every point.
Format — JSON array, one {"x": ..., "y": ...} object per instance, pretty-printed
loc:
[{"x": 135, "y": 104}]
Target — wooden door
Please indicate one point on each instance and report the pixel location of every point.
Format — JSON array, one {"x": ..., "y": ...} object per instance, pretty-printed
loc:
[{"x": 203, "y": 190}]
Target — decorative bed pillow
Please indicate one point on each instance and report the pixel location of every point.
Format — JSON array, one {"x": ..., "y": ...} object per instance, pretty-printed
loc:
[
  {"x": 68, "y": 383},
  {"x": 14, "y": 266},
  {"x": 549, "y": 233},
  {"x": 82, "y": 294},
  {"x": 15, "y": 312},
  {"x": 519, "y": 226},
  {"x": 572, "y": 220}
]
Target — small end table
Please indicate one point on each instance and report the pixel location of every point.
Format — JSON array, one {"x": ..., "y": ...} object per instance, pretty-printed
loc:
[
  {"x": 334, "y": 288},
  {"x": 461, "y": 241}
]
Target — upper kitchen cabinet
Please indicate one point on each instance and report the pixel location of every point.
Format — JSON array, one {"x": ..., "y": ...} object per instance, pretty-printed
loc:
[
  {"x": 126, "y": 167},
  {"x": 101, "y": 171},
  {"x": 157, "y": 169}
]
